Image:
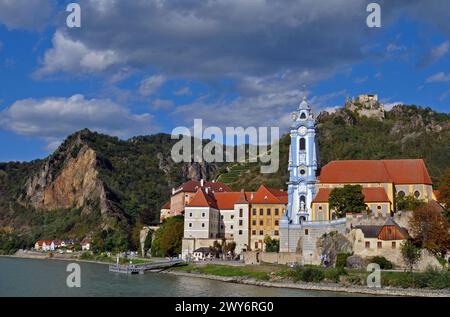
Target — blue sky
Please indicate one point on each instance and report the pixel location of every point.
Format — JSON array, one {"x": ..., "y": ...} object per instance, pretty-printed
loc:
[{"x": 142, "y": 67}]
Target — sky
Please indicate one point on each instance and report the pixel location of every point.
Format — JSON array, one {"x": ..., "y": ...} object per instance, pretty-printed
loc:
[{"x": 142, "y": 67}]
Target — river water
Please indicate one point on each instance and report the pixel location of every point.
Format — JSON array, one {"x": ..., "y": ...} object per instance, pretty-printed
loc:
[{"x": 29, "y": 277}]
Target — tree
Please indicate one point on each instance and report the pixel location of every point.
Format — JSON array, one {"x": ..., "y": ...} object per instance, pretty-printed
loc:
[
  {"x": 430, "y": 228},
  {"x": 148, "y": 242},
  {"x": 347, "y": 199},
  {"x": 407, "y": 202},
  {"x": 168, "y": 237},
  {"x": 410, "y": 253},
  {"x": 272, "y": 245},
  {"x": 444, "y": 189}
]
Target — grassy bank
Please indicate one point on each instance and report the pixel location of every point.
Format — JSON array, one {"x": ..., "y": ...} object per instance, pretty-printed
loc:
[{"x": 431, "y": 279}]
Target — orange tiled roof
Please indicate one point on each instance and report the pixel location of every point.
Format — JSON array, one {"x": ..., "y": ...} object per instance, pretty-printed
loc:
[
  {"x": 408, "y": 171},
  {"x": 265, "y": 195},
  {"x": 203, "y": 199},
  {"x": 166, "y": 205},
  {"x": 193, "y": 186},
  {"x": 371, "y": 195}
]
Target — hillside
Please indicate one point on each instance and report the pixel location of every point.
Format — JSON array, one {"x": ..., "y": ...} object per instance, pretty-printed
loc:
[
  {"x": 93, "y": 185},
  {"x": 405, "y": 132},
  {"x": 106, "y": 188}
]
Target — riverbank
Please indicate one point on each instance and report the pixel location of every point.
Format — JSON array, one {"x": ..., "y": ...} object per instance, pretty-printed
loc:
[
  {"x": 257, "y": 278},
  {"x": 55, "y": 257}
]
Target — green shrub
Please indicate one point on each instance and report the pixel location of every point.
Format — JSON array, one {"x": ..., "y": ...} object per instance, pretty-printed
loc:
[
  {"x": 384, "y": 263},
  {"x": 341, "y": 259},
  {"x": 334, "y": 274},
  {"x": 307, "y": 274}
]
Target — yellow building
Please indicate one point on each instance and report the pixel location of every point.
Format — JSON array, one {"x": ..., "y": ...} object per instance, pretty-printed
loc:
[
  {"x": 268, "y": 205},
  {"x": 382, "y": 180}
]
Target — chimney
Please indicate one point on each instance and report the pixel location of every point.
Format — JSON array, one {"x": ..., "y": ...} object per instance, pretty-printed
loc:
[
  {"x": 206, "y": 189},
  {"x": 202, "y": 182},
  {"x": 251, "y": 196},
  {"x": 173, "y": 190}
]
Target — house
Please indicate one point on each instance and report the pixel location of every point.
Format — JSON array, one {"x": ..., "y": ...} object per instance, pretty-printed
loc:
[
  {"x": 85, "y": 245},
  {"x": 268, "y": 205},
  {"x": 48, "y": 245},
  {"x": 182, "y": 195},
  {"x": 379, "y": 240},
  {"x": 202, "y": 254}
]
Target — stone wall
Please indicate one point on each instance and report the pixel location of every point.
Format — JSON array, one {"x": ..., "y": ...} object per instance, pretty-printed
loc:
[
  {"x": 363, "y": 219},
  {"x": 303, "y": 238},
  {"x": 256, "y": 257}
]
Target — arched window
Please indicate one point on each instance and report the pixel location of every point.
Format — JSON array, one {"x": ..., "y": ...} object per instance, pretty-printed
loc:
[
  {"x": 401, "y": 193},
  {"x": 302, "y": 144},
  {"x": 303, "y": 116},
  {"x": 417, "y": 194}
]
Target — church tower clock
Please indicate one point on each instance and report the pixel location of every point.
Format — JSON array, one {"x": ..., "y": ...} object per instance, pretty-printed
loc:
[{"x": 303, "y": 161}]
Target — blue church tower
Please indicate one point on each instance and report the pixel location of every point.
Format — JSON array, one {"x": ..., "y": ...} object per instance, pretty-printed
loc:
[{"x": 303, "y": 161}]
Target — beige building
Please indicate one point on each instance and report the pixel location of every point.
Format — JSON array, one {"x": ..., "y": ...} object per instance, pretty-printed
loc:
[
  {"x": 382, "y": 181},
  {"x": 379, "y": 240},
  {"x": 268, "y": 205},
  {"x": 182, "y": 195}
]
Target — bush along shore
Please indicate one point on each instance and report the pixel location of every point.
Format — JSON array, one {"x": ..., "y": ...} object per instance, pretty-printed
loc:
[{"x": 428, "y": 283}]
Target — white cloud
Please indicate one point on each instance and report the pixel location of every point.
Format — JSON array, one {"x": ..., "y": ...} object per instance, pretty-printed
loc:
[
  {"x": 439, "y": 77},
  {"x": 388, "y": 106},
  {"x": 151, "y": 84},
  {"x": 26, "y": 14},
  {"x": 73, "y": 56},
  {"x": 435, "y": 54},
  {"x": 183, "y": 91},
  {"x": 54, "y": 118},
  {"x": 159, "y": 104}
]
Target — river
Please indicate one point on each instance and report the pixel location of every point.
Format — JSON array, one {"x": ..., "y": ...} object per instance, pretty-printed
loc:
[{"x": 30, "y": 277}]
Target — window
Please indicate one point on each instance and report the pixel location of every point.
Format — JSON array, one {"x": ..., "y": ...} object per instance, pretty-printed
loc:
[
  {"x": 254, "y": 222},
  {"x": 240, "y": 232},
  {"x": 394, "y": 245},
  {"x": 379, "y": 207},
  {"x": 231, "y": 227},
  {"x": 261, "y": 212},
  {"x": 268, "y": 211},
  {"x": 401, "y": 193},
  {"x": 254, "y": 232},
  {"x": 306, "y": 232},
  {"x": 417, "y": 194},
  {"x": 261, "y": 222},
  {"x": 190, "y": 214},
  {"x": 232, "y": 217},
  {"x": 302, "y": 172},
  {"x": 277, "y": 212},
  {"x": 320, "y": 207},
  {"x": 276, "y": 232},
  {"x": 203, "y": 225},
  {"x": 261, "y": 233},
  {"x": 190, "y": 225},
  {"x": 221, "y": 217},
  {"x": 303, "y": 116},
  {"x": 241, "y": 212},
  {"x": 302, "y": 144},
  {"x": 276, "y": 222},
  {"x": 240, "y": 222},
  {"x": 254, "y": 211},
  {"x": 367, "y": 244},
  {"x": 221, "y": 226},
  {"x": 379, "y": 245},
  {"x": 203, "y": 215},
  {"x": 256, "y": 245}
]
